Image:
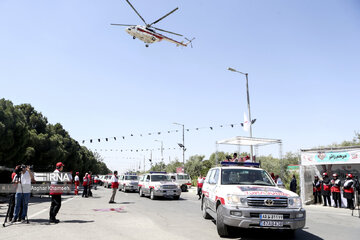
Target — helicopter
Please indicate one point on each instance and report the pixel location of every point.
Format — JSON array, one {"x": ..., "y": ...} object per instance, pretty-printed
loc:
[{"x": 147, "y": 33}]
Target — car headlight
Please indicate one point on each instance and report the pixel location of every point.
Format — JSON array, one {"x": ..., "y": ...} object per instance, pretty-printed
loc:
[
  {"x": 157, "y": 187},
  {"x": 294, "y": 202},
  {"x": 237, "y": 200}
]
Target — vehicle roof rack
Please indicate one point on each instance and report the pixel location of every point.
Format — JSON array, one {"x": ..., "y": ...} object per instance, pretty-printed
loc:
[
  {"x": 240, "y": 164},
  {"x": 153, "y": 172}
]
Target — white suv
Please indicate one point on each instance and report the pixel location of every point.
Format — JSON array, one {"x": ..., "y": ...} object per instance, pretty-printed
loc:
[
  {"x": 247, "y": 197},
  {"x": 157, "y": 184},
  {"x": 182, "y": 179},
  {"x": 128, "y": 182}
]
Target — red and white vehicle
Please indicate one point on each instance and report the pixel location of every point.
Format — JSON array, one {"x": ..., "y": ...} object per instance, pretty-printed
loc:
[
  {"x": 147, "y": 33},
  {"x": 181, "y": 179},
  {"x": 128, "y": 182},
  {"x": 141, "y": 182},
  {"x": 107, "y": 181},
  {"x": 247, "y": 197},
  {"x": 157, "y": 184}
]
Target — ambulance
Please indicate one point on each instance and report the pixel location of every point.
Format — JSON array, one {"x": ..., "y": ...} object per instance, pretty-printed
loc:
[{"x": 245, "y": 196}]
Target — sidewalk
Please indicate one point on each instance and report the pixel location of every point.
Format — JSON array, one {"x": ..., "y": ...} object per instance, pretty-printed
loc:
[{"x": 332, "y": 210}]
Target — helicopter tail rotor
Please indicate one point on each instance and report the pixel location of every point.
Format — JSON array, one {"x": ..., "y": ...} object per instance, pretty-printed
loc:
[{"x": 189, "y": 42}]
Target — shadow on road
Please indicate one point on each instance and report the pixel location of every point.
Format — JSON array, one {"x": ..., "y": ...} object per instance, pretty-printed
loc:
[
  {"x": 46, "y": 221},
  {"x": 126, "y": 203},
  {"x": 256, "y": 234}
]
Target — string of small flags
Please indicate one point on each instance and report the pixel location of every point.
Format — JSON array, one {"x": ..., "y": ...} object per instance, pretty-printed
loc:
[
  {"x": 107, "y": 139},
  {"x": 132, "y": 150}
]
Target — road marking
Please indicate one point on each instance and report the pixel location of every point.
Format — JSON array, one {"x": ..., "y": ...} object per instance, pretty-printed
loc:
[{"x": 47, "y": 209}]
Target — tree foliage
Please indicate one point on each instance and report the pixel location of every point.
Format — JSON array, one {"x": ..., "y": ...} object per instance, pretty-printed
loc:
[{"x": 27, "y": 137}]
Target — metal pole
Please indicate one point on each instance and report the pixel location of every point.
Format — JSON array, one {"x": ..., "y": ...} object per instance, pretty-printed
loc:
[
  {"x": 248, "y": 102},
  {"x": 183, "y": 146},
  {"x": 162, "y": 152}
]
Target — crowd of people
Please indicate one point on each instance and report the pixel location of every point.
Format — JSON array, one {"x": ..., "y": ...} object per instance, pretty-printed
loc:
[
  {"x": 22, "y": 177},
  {"x": 327, "y": 188},
  {"x": 236, "y": 158}
]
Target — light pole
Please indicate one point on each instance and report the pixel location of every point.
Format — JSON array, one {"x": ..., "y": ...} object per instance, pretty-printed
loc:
[
  {"x": 248, "y": 103},
  {"x": 183, "y": 144},
  {"x": 162, "y": 148}
]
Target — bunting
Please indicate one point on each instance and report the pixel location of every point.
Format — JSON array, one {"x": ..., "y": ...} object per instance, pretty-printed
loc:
[{"x": 107, "y": 139}]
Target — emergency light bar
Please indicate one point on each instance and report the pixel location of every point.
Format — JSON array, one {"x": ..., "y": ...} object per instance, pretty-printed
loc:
[
  {"x": 241, "y": 164},
  {"x": 151, "y": 172}
]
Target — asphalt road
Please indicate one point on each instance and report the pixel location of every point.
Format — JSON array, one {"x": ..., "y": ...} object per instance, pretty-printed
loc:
[{"x": 142, "y": 218}]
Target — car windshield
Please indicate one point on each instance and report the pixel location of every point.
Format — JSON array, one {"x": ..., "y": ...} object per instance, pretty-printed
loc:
[
  {"x": 245, "y": 177},
  {"x": 131, "y": 178},
  {"x": 182, "y": 176},
  {"x": 158, "y": 178}
]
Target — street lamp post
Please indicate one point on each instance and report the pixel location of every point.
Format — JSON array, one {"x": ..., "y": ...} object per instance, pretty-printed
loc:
[
  {"x": 183, "y": 144},
  {"x": 162, "y": 148},
  {"x": 248, "y": 103}
]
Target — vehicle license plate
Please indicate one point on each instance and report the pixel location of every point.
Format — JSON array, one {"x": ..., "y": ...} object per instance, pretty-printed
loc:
[
  {"x": 169, "y": 192},
  {"x": 271, "y": 217},
  {"x": 271, "y": 223}
]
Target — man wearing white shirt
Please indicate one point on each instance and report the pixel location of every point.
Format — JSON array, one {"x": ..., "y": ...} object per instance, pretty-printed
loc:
[
  {"x": 114, "y": 186},
  {"x": 22, "y": 196}
]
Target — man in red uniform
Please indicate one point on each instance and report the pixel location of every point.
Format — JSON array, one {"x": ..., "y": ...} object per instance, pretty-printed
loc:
[
  {"x": 335, "y": 190},
  {"x": 77, "y": 183},
  {"x": 114, "y": 186},
  {"x": 89, "y": 184},
  {"x": 325, "y": 191},
  {"x": 200, "y": 183},
  {"x": 317, "y": 190},
  {"x": 349, "y": 191},
  {"x": 55, "y": 193},
  {"x": 85, "y": 185}
]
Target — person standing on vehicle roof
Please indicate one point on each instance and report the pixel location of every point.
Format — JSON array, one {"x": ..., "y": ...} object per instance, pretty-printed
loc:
[
  {"x": 55, "y": 192},
  {"x": 114, "y": 186},
  {"x": 235, "y": 158},
  {"x": 85, "y": 185},
  {"x": 317, "y": 190},
  {"x": 335, "y": 190},
  {"x": 349, "y": 191}
]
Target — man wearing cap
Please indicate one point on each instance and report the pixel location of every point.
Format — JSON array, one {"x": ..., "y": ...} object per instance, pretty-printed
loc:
[
  {"x": 55, "y": 192},
  {"x": 335, "y": 190},
  {"x": 349, "y": 191},
  {"x": 325, "y": 191},
  {"x": 77, "y": 183}
]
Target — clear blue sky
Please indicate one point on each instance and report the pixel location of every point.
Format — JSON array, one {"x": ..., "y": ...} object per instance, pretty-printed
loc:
[{"x": 65, "y": 59}]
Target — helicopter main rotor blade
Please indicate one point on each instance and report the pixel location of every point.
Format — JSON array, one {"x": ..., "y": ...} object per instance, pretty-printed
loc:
[
  {"x": 136, "y": 11},
  {"x": 117, "y": 24},
  {"x": 163, "y": 17},
  {"x": 167, "y": 31}
]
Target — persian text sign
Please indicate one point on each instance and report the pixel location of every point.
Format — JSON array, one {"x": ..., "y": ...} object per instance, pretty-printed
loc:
[{"x": 330, "y": 157}]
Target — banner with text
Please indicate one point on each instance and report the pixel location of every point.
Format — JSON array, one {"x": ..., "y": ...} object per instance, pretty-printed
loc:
[{"x": 344, "y": 156}]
